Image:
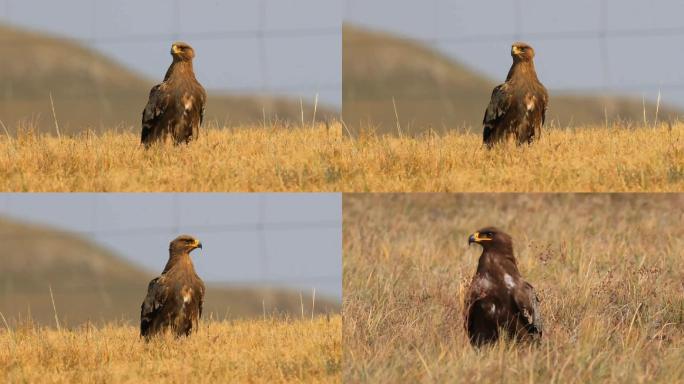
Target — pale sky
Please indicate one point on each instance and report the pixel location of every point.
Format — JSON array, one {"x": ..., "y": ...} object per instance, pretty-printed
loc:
[
  {"x": 300, "y": 54},
  {"x": 300, "y": 246},
  {"x": 642, "y": 51}
]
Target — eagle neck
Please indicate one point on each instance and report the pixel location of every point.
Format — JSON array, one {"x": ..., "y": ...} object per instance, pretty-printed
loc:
[
  {"x": 179, "y": 69},
  {"x": 491, "y": 257},
  {"x": 522, "y": 70},
  {"x": 178, "y": 260}
]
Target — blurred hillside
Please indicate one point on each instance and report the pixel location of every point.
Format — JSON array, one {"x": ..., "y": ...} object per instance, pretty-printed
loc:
[
  {"x": 432, "y": 91},
  {"x": 90, "y": 283},
  {"x": 90, "y": 91}
]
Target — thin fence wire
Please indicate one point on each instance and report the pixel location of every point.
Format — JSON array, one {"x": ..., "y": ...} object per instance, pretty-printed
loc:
[
  {"x": 260, "y": 35},
  {"x": 602, "y": 35},
  {"x": 260, "y": 226}
]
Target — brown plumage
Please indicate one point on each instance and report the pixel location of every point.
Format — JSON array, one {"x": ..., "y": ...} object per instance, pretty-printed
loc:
[
  {"x": 499, "y": 299},
  {"x": 174, "y": 299},
  {"x": 175, "y": 108},
  {"x": 517, "y": 108}
]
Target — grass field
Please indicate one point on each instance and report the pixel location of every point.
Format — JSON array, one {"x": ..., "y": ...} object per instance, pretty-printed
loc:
[
  {"x": 612, "y": 159},
  {"x": 608, "y": 269},
  {"x": 264, "y": 351},
  {"x": 274, "y": 158}
]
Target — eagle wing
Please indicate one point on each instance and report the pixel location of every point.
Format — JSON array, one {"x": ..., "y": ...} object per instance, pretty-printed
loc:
[
  {"x": 527, "y": 301},
  {"x": 201, "y": 298},
  {"x": 476, "y": 292},
  {"x": 545, "y": 106},
  {"x": 203, "y": 99},
  {"x": 192, "y": 104},
  {"x": 157, "y": 105},
  {"x": 153, "y": 306},
  {"x": 193, "y": 308},
  {"x": 499, "y": 104}
]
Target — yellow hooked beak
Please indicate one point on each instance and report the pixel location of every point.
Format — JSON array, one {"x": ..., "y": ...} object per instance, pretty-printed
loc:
[
  {"x": 516, "y": 50},
  {"x": 197, "y": 244},
  {"x": 477, "y": 238},
  {"x": 175, "y": 49}
]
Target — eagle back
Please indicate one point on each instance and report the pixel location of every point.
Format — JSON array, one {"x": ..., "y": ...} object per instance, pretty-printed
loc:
[{"x": 175, "y": 108}]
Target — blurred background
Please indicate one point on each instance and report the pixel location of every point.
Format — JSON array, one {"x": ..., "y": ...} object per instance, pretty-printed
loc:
[
  {"x": 434, "y": 63},
  {"x": 262, "y": 253},
  {"x": 258, "y": 59}
]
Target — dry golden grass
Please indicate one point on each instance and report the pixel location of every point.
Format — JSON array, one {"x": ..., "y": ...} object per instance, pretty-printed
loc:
[
  {"x": 324, "y": 159},
  {"x": 608, "y": 268},
  {"x": 587, "y": 159},
  {"x": 266, "y": 351},
  {"x": 243, "y": 159}
]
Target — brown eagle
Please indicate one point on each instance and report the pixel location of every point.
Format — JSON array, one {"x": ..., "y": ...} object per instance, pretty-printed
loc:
[
  {"x": 174, "y": 299},
  {"x": 518, "y": 107},
  {"x": 175, "y": 108},
  {"x": 499, "y": 299}
]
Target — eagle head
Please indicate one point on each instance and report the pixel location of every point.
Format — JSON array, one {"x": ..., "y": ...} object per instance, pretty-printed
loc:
[
  {"x": 182, "y": 51},
  {"x": 491, "y": 237},
  {"x": 522, "y": 52},
  {"x": 185, "y": 244}
]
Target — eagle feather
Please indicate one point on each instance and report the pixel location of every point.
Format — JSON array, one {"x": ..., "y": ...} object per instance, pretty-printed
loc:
[
  {"x": 174, "y": 300},
  {"x": 175, "y": 108},
  {"x": 498, "y": 297},
  {"x": 517, "y": 108}
]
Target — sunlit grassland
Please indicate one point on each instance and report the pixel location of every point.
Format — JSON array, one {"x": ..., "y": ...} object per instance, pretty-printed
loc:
[
  {"x": 244, "y": 351},
  {"x": 325, "y": 158},
  {"x": 271, "y": 158},
  {"x": 608, "y": 269},
  {"x": 612, "y": 159}
]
